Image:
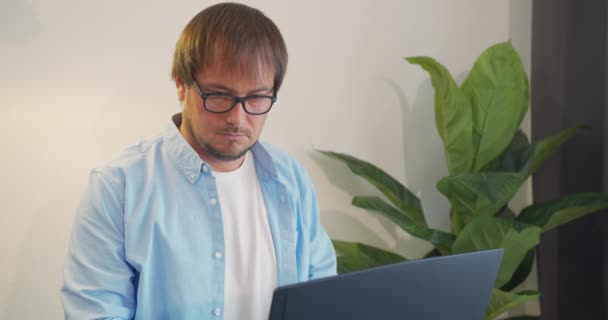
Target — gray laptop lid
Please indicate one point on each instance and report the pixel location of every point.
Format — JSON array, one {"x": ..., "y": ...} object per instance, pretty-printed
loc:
[{"x": 447, "y": 287}]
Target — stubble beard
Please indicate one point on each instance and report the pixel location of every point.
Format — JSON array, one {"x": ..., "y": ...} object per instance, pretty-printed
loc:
[
  {"x": 213, "y": 152},
  {"x": 210, "y": 151}
]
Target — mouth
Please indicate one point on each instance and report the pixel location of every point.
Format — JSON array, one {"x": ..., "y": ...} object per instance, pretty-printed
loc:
[{"x": 233, "y": 135}]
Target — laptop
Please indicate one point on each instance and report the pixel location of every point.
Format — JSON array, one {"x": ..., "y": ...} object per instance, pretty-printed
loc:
[{"x": 439, "y": 288}]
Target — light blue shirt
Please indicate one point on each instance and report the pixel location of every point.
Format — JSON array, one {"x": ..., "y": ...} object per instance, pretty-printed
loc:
[{"x": 148, "y": 242}]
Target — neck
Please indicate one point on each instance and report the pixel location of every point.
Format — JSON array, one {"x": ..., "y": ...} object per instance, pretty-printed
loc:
[{"x": 221, "y": 165}]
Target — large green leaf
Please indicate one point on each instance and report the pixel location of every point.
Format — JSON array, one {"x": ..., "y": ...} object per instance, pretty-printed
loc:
[
  {"x": 497, "y": 87},
  {"x": 432, "y": 253},
  {"x": 442, "y": 240},
  {"x": 523, "y": 157},
  {"x": 480, "y": 193},
  {"x": 354, "y": 256},
  {"x": 501, "y": 301},
  {"x": 488, "y": 232},
  {"x": 459, "y": 217},
  {"x": 453, "y": 116},
  {"x": 542, "y": 149},
  {"x": 515, "y": 157},
  {"x": 347, "y": 264},
  {"x": 506, "y": 212},
  {"x": 522, "y": 272},
  {"x": 551, "y": 214},
  {"x": 399, "y": 195}
]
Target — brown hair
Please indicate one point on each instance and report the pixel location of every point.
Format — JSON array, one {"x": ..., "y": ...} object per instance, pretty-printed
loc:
[{"x": 232, "y": 34}]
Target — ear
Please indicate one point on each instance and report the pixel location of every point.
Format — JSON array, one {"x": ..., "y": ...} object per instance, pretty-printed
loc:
[{"x": 181, "y": 88}]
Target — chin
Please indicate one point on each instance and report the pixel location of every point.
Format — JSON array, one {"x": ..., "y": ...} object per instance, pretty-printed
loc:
[{"x": 228, "y": 154}]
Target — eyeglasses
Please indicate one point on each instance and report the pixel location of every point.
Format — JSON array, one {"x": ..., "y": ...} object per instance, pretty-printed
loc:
[{"x": 221, "y": 102}]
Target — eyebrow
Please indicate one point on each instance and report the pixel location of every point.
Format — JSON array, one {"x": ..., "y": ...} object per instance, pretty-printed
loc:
[{"x": 221, "y": 87}]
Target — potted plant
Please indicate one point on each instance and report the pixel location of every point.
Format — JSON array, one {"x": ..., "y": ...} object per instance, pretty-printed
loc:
[{"x": 488, "y": 159}]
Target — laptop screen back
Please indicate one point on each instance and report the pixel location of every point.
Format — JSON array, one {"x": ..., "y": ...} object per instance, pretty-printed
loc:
[{"x": 447, "y": 287}]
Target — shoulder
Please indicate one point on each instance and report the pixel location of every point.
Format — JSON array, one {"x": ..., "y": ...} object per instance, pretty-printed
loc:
[{"x": 132, "y": 160}]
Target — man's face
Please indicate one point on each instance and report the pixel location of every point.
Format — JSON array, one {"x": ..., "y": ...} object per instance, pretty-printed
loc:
[{"x": 223, "y": 137}]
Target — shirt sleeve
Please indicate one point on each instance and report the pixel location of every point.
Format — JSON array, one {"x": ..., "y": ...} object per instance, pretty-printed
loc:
[
  {"x": 322, "y": 253},
  {"x": 98, "y": 283}
]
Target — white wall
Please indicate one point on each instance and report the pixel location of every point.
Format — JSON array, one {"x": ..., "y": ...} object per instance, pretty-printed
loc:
[{"x": 79, "y": 80}]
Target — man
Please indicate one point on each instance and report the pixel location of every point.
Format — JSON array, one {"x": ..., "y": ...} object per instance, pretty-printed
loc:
[{"x": 202, "y": 221}]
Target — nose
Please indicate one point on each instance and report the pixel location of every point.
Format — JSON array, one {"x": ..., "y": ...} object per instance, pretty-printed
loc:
[{"x": 236, "y": 115}]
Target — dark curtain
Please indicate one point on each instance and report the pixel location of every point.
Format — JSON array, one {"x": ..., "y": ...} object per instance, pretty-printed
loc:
[{"x": 568, "y": 88}]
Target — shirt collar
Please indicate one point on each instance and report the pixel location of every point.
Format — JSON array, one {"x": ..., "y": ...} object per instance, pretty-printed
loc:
[
  {"x": 189, "y": 161},
  {"x": 180, "y": 150},
  {"x": 263, "y": 160}
]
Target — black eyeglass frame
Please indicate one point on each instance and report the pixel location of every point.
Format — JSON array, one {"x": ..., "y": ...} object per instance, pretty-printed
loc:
[{"x": 235, "y": 100}]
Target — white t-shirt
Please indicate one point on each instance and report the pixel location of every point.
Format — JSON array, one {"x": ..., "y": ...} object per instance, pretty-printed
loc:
[{"x": 250, "y": 261}]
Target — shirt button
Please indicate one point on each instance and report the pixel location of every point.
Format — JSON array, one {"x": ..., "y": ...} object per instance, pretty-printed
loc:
[
  {"x": 212, "y": 201},
  {"x": 282, "y": 198},
  {"x": 205, "y": 168},
  {"x": 218, "y": 255},
  {"x": 217, "y": 311}
]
